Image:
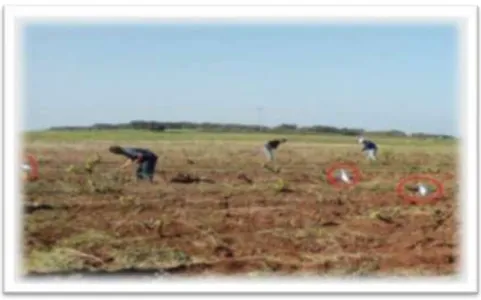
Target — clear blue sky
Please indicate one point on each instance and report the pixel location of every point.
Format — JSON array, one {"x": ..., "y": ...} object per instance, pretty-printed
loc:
[{"x": 370, "y": 76}]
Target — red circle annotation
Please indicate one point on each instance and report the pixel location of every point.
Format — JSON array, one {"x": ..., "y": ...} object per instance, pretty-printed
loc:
[
  {"x": 419, "y": 199},
  {"x": 348, "y": 166}
]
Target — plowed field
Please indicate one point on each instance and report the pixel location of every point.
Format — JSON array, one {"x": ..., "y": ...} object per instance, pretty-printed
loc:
[{"x": 237, "y": 217}]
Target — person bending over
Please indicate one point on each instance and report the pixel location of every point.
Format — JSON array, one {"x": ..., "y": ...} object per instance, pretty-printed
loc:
[
  {"x": 270, "y": 148},
  {"x": 146, "y": 160},
  {"x": 369, "y": 147}
]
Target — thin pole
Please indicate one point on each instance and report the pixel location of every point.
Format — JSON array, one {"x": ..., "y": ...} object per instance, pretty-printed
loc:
[{"x": 259, "y": 116}]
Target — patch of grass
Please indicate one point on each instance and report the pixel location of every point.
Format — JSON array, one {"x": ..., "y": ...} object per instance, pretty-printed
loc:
[
  {"x": 138, "y": 256},
  {"x": 87, "y": 239},
  {"x": 75, "y": 253},
  {"x": 98, "y": 186},
  {"x": 56, "y": 259},
  {"x": 367, "y": 267},
  {"x": 281, "y": 186}
]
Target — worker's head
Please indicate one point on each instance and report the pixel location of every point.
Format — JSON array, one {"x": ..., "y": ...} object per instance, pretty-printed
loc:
[
  {"x": 115, "y": 149},
  {"x": 360, "y": 140}
]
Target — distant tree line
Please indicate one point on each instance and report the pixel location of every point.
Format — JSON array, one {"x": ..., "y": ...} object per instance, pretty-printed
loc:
[{"x": 157, "y": 126}]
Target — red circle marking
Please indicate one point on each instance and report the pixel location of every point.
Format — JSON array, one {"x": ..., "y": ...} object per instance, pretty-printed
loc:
[
  {"x": 332, "y": 180},
  {"x": 32, "y": 162},
  {"x": 412, "y": 199}
]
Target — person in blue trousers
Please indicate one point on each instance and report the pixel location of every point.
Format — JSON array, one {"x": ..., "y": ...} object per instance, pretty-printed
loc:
[
  {"x": 146, "y": 160},
  {"x": 369, "y": 147}
]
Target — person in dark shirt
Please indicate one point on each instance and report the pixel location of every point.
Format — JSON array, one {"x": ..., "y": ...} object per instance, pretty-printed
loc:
[
  {"x": 270, "y": 147},
  {"x": 146, "y": 160},
  {"x": 369, "y": 147}
]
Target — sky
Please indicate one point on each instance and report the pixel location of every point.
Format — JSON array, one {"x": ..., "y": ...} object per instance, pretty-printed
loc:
[{"x": 372, "y": 76}]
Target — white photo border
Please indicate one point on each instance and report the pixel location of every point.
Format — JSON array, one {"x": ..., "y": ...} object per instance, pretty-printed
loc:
[{"x": 465, "y": 16}]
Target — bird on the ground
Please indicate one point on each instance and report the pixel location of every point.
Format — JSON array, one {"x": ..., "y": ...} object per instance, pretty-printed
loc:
[
  {"x": 420, "y": 189},
  {"x": 344, "y": 176}
]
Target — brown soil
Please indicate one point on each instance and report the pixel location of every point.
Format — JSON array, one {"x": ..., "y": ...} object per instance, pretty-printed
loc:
[{"x": 226, "y": 214}]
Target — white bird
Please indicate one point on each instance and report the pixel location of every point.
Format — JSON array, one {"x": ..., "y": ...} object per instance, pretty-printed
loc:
[
  {"x": 345, "y": 177},
  {"x": 422, "y": 190}
]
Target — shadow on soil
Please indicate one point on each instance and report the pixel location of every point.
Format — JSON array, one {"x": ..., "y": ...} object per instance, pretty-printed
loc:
[
  {"x": 128, "y": 272},
  {"x": 33, "y": 207},
  {"x": 188, "y": 178}
]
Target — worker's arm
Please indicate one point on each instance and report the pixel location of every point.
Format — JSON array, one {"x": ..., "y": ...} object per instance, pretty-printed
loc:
[{"x": 127, "y": 163}]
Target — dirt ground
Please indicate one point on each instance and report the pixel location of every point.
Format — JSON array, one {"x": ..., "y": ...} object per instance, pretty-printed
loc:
[{"x": 238, "y": 217}]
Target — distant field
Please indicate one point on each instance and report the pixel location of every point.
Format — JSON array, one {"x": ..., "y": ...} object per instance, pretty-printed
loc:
[
  {"x": 185, "y": 135},
  {"x": 246, "y": 219}
]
